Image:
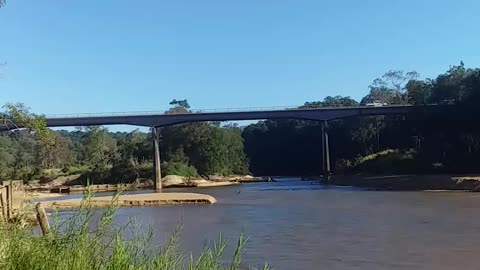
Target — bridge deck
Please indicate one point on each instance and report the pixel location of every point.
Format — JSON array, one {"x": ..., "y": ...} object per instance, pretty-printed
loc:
[{"x": 157, "y": 120}]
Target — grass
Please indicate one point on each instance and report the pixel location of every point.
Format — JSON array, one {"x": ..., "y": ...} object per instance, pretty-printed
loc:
[
  {"x": 83, "y": 242},
  {"x": 377, "y": 155},
  {"x": 387, "y": 161}
]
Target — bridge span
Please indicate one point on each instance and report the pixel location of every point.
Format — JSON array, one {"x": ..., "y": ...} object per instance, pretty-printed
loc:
[{"x": 157, "y": 120}]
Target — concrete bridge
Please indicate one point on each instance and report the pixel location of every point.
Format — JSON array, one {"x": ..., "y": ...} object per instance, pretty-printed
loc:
[{"x": 156, "y": 120}]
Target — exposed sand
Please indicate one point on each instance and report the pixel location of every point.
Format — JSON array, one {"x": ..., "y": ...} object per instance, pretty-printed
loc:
[
  {"x": 204, "y": 183},
  {"x": 42, "y": 195},
  {"x": 151, "y": 199},
  {"x": 19, "y": 197}
]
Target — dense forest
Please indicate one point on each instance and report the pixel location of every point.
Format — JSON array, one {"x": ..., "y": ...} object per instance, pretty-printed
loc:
[
  {"x": 188, "y": 149},
  {"x": 441, "y": 142}
]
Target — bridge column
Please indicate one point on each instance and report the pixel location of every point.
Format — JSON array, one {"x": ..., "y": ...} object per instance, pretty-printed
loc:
[
  {"x": 325, "y": 150},
  {"x": 156, "y": 159}
]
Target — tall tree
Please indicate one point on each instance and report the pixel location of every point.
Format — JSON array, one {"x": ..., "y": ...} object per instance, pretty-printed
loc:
[
  {"x": 390, "y": 88},
  {"x": 179, "y": 106},
  {"x": 100, "y": 148},
  {"x": 53, "y": 155},
  {"x": 419, "y": 91}
]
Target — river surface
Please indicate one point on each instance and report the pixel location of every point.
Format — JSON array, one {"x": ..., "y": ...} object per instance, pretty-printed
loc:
[{"x": 295, "y": 224}]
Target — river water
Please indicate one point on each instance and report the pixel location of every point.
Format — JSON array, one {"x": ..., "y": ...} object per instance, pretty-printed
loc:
[{"x": 295, "y": 224}]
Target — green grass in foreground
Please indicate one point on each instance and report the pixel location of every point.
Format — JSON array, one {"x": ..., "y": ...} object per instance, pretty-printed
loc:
[{"x": 80, "y": 243}]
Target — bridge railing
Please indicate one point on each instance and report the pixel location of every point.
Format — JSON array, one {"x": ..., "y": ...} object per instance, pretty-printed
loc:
[{"x": 218, "y": 110}]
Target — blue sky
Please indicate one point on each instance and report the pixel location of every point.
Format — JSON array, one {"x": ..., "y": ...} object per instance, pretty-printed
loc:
[{"x": 114, "y": 55}]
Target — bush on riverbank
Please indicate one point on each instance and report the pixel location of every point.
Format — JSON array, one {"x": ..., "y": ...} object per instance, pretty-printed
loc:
[
  {"x": 387, "y": 162},
  {"x": 81, "y": 242},
  {"x": 179, "y": 168},
  {"x": 125, "y": 172}
]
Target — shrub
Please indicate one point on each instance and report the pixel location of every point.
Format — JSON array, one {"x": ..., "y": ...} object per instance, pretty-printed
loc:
[
  {"x": 388, "y": 161},
  {"x": 75, "y": 169},
  {"x": 178, "y": 168}
]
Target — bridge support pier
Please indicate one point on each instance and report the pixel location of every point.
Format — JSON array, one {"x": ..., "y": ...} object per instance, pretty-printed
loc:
[
  {"x": 156, "y": 159},
  {"x": 325, "y": 151}
]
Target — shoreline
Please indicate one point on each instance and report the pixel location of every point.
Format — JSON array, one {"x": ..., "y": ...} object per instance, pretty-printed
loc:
[
  {"x": 428, "y": 182},
  {"x": 169, "y": 181},
  {"x": 134, "y": 200}
]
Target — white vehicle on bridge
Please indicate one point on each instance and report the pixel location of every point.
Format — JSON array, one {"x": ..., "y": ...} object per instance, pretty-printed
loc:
[{"x": 376, "y": 104}]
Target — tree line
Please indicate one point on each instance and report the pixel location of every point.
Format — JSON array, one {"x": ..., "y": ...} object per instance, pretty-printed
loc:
[
  {"x": 437, "y": 142},
  {"x": 193, "y": 149},
  {"x": 416, "y": 143}
]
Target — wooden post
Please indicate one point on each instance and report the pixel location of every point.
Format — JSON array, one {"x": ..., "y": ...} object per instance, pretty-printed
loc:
[
  {"x": 3, "y": 205},
  {"x": 9, "y": 200},
  {"x": 42, "y": 219}
]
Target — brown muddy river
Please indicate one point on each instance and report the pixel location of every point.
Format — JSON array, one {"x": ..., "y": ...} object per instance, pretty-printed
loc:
[{"x": 298, "y": 225}]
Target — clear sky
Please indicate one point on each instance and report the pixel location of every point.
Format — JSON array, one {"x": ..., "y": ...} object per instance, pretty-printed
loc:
[{"x": 69, "y": 56}]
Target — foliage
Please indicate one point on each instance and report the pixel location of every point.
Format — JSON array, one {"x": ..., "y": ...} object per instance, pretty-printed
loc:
[
  {"x": 178, "y": 168},
  {"x": 180, "y": 103},
  {"x": 100, "y": 148},
  {"x": 209, "y": 148},
  {"x": 450, "y": 138},
  {"x": 20, "y": 115},
  {"x": 271, "y": 147},
  {"x": 337, "y": 101},
  {"x": 387, "y": 162},
  {"x": 53, "y": 155},
  {"x": 187, "y": 150},
  {"x": 72, "y": 169},
  {"x": 391, "y": 88},
  {"x": 179, "y": 106},
  {"x": 20, "y": 150}
]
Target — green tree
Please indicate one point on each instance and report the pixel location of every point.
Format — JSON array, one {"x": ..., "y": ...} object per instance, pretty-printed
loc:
[
  {"x": 53, "y": 155},
  {"x": 419, "y": 91},
  {"x": 179, "y": 106},
  {"x": 100, "y": 148},
  {"x": 336, "y": 101},
  {"x": 390, "y": 88},
  {"x": 35, "y": 136},
  {"x": 7, "y": 156},
  {"x": 180, "y": 103},
  {"x": 19, "y": 115}
]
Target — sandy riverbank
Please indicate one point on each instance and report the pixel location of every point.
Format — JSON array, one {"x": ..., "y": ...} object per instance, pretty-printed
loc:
[
  {"x": 169, "y": 181},
  {"x": 152, "y": 199},
  {"x": 20, "y": 197}
]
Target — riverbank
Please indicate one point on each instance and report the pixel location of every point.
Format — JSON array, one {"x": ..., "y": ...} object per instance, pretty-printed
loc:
[
  {"x": 73, "y": 184},
  {"x": 134, "y": 200},
  {"x": 410, "y": 182}
]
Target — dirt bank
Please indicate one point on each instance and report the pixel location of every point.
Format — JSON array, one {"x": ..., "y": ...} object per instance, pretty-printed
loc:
[
  {"x": 410, "y": 182},
  {"x": 205, "y": 183},
  {"x": 66, "y": 185},
  {"x": 20, "y": 197},
  {"x": 152, "y": 199}
]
